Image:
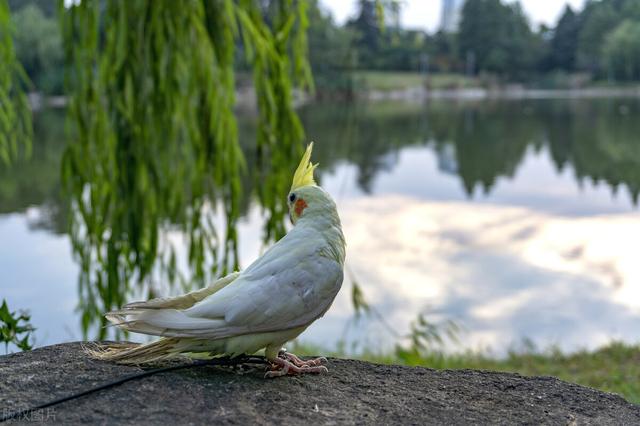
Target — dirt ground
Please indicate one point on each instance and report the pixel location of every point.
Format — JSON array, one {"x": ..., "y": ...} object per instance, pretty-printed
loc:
[{"x": 353, "y": 392}]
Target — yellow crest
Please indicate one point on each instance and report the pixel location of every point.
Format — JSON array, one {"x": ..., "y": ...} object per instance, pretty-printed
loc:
[{"x": 304, "y": 173}]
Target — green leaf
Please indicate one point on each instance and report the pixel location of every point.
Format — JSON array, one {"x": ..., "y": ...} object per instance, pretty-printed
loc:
[{"x": 12, "y": 325}]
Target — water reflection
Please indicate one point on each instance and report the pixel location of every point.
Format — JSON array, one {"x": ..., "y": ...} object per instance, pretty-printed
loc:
[
  {"x": 503, "y": 273},
  {"x": 36, "y": 182},
  {"x": 514, "y": 218},
  {"x": 483, "y": 141}
]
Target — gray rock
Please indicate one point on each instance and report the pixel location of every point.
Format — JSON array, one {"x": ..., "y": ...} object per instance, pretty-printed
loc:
[{"x": 353, "y": 392}]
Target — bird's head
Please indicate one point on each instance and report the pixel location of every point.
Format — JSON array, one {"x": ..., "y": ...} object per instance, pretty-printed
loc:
[{"x": 306, "y": 198}]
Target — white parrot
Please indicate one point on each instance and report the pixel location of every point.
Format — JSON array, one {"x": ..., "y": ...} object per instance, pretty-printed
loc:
[{"x": 271, "y": 302}]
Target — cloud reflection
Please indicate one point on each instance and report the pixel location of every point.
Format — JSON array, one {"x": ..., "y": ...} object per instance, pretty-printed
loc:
[{"x": 504, "y": 273}]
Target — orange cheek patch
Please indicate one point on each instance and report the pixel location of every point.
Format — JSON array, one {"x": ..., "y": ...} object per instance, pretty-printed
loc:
[{"x": 300, "y": 206}]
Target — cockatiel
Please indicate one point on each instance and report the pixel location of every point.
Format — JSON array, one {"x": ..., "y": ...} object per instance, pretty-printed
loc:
[{"x": 271, "y": 302}]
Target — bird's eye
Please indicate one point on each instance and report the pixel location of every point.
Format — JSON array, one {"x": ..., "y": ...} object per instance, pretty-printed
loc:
[{"x": 292, "y": 197}]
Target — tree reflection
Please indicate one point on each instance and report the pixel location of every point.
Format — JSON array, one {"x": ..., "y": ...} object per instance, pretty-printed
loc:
[
  {"x": 482, "y": 141},
  {"x": 35, "y": 182}
]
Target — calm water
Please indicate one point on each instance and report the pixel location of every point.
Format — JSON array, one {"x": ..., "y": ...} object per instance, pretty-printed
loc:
[{"x": 515, "y": 219}]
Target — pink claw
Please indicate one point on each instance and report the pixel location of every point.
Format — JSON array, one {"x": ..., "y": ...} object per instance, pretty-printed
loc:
[
  {"x": 289, "y": 364},
  {"x": 301, "y": 363}
]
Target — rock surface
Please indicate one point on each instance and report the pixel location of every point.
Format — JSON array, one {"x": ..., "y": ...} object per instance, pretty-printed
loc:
[{"x": 353, "y": 392}]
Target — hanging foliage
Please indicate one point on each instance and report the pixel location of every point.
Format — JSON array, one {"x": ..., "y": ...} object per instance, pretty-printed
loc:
[
  {"x": 15, "y": 116},
  {"x": 154, "y": 136}
]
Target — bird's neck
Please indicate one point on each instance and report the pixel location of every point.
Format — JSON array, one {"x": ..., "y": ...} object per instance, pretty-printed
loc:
[{"x": 327, "y": 223}]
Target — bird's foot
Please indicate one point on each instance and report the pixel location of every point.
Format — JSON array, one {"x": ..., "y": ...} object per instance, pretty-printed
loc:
[
  {"x": 301, "y": 363},
  {"x": 289, "y": 364}
]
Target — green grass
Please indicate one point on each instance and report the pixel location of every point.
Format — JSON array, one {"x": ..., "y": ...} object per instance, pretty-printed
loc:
[
  {"x": 452, "y": 81},
  {"x": 388, "y": 80},
  {"x": 399, "y": 80},
  {"x": 613, "y": 368}
]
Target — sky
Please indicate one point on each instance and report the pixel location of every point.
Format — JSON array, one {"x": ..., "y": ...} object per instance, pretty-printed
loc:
[{"x": 425, "y": 14}]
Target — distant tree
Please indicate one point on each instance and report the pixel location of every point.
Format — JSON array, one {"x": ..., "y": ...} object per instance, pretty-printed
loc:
[
  {"x": 564, "y": 44},
  {"x": 442, "y": 48},
  {"x": 497, "y": 38},
  {"x": 368, "y": 32},
  {"x": 400, "y": 50},
  {"x": 48, "y": 7},
  {"x": 331, "y": 52},
  {"x": 380, "y": 43},
  {"x": 523, "y": 46},
  {"x": 38, "y": 44},
  {"x": 599, "y": 19},
  {"x": 621, "y": 51},
  {"x": 478, "y": 33},
  {"x": 630, "y": 9}
]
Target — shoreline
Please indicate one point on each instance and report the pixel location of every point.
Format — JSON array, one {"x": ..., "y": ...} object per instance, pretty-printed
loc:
[
  {"x": 508, "y": 93},
  {"x": 245, "y": 97}
]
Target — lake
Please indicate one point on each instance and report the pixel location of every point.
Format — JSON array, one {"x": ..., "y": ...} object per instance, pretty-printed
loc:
[{"x": 515, "y": 219}]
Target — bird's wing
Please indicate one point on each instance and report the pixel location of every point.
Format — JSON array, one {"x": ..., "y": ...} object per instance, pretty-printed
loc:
[
  {"x": 186, "y": 300},
  {"x": 288, "y": 298},
  {"x": 290, "y": 286}
]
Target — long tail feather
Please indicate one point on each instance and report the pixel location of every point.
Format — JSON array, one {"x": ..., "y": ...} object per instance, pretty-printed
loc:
[{"x": 133, "y": 353}]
